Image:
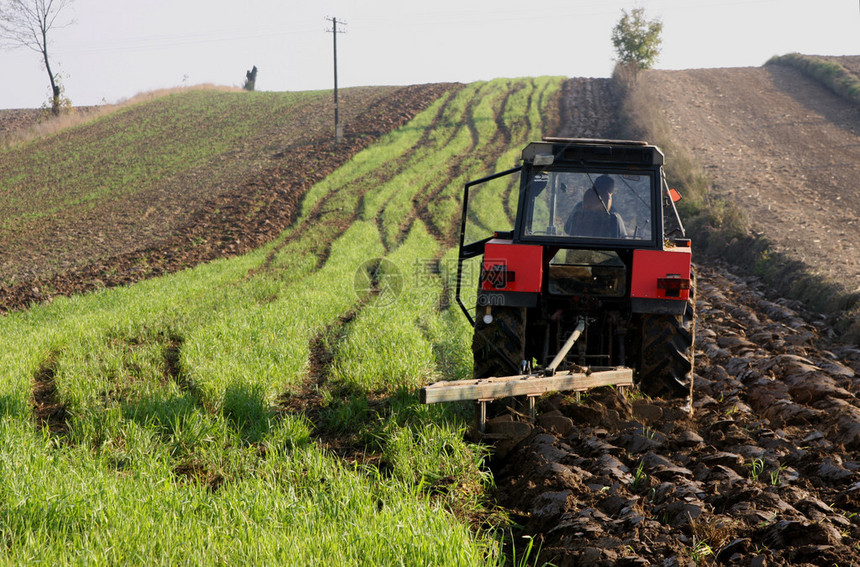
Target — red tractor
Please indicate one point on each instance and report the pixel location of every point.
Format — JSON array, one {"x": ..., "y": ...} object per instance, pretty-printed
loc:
[{"x": 587, "y": 283}]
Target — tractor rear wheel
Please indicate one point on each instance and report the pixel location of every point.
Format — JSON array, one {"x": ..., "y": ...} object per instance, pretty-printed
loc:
[
  {"x": 666, "y": 359},
  {"x": 498, "y": 348}
]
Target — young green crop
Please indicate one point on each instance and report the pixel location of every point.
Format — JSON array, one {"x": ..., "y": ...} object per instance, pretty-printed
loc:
[
  {"x": 114, "y": 157},
  {"x": 386, "y": 346},
  {"x": 62, "y": 505},
  {"x": 177, "y": 447},
  {"x": 391, "y": 148}
]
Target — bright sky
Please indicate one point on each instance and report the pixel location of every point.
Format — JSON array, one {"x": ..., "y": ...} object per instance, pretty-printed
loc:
[{"x": 116, "y": 49}]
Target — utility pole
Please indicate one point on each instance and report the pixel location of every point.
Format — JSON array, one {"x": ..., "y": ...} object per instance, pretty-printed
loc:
[{"x": 338, "y": 129}]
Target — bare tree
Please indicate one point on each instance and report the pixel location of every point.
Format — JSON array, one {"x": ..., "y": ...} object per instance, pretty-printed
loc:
[{"x": 26, "y": 23}]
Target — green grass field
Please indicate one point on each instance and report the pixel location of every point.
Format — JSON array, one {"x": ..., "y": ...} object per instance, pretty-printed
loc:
[
  {"x": 135, "y": 148},
  {"x": 197, "y": 419}
]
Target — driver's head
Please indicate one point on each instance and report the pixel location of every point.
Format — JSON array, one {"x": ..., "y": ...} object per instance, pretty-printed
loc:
[
  {"x": 605, "y": 185},
  {"x": 602, "y": 191}
]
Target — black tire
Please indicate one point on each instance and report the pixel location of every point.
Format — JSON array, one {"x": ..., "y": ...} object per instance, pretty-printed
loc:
[
  {"x": 666, "y": 356},
  {"x": 498, "y": 348}
]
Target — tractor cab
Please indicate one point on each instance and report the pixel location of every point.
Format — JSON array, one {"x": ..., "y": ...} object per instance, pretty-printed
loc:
[{"x": 583, "y": 209}]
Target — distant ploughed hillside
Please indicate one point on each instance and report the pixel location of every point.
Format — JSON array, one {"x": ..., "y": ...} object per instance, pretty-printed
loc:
[
  {"x": 165, "y": 184},
  {"x": 782, "y": 147}
]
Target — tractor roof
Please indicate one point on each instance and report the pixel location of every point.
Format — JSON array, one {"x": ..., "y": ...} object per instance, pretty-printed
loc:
[{"x": 577, "y": 151}]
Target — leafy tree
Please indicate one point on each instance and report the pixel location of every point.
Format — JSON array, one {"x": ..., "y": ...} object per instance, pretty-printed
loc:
[
  {"x": 26, "y": 23},
  {"x": 636, "y": 39}
]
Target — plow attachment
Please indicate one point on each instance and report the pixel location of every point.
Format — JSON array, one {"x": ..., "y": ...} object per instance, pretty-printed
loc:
[{"x": 531, "y": 386}]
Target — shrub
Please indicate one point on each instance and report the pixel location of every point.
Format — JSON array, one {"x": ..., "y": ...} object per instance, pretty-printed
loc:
[{"x": 831, "y": 74}]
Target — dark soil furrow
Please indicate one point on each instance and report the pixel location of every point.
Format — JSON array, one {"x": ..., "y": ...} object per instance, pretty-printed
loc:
[
  {"x": 505, "y": 132},
  {"x": 502, "y": 135},
  {"x": 419, "y": 211},
  {"x": 307, "y": 398},
  {"x": 172, "y": 356},
  {"x": 380, "y": 224},
  {"x": 327, "y": 212},
  {"x": 766, "y": 469},
  {"x": 330, "y": 201},
  {"x": 308, "y": 394},
  {"x": 550, "y": 111},
  {"x": 588, "y": 108},
  {"x": 48, "y": 411},
  {"x": 421, "y": 199},
  {"x": 445, "y": 240},
  {"x": 431, "y": 130},
  {"x": 500, "y": 141}
]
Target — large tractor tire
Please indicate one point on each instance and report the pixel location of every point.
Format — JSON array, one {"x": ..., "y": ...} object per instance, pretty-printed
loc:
[
  {"x": 498, "y": 348},
  {"x": 666, "y": 359}
]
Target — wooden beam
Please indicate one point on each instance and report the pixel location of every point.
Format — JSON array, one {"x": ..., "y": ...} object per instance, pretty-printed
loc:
[{"x": 524, "y": 385}]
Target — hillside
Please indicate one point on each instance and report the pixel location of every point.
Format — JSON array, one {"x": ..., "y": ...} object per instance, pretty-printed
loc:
[
  {"x": 256, "y": 409},
  {"x": 161, "y": 185},
  {"x": 784, "y": 149}
]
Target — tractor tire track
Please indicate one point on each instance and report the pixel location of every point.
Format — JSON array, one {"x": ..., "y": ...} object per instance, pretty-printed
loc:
[
  {"x": 48, "y": 411},
  {"x": 419, "y": 205},
  {"x": 550, "y": 110},
  {"x": 502, "y": 135},
  {"x": 327, "y": 212},
  {"x": 171, "y": 354},
  {"x": 307, "y": 397},
  {"x": 454, "y": 169},
  {"x": 423, "y": 142},
  {"x": 500, "y": 140}
]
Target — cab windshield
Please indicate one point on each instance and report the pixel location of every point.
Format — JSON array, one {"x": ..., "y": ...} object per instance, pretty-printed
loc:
[{"x": 594, "y": 204}]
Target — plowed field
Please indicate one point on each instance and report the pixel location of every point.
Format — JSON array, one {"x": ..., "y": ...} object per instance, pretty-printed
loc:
[
  {"x": 211, "y": 211},
  {"x": 782, "y": 147}
]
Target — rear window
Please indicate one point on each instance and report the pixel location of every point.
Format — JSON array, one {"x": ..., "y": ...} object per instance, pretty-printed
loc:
[{"x": 595, "y": 204}]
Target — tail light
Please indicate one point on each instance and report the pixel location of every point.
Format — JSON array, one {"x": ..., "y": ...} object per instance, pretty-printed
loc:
[
  {"x": 673, "y": 285},
  {"x": 499, "y": 276}
]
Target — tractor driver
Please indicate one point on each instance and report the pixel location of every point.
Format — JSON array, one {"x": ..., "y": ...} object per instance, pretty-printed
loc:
[{"x": 594, "y": 216}]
